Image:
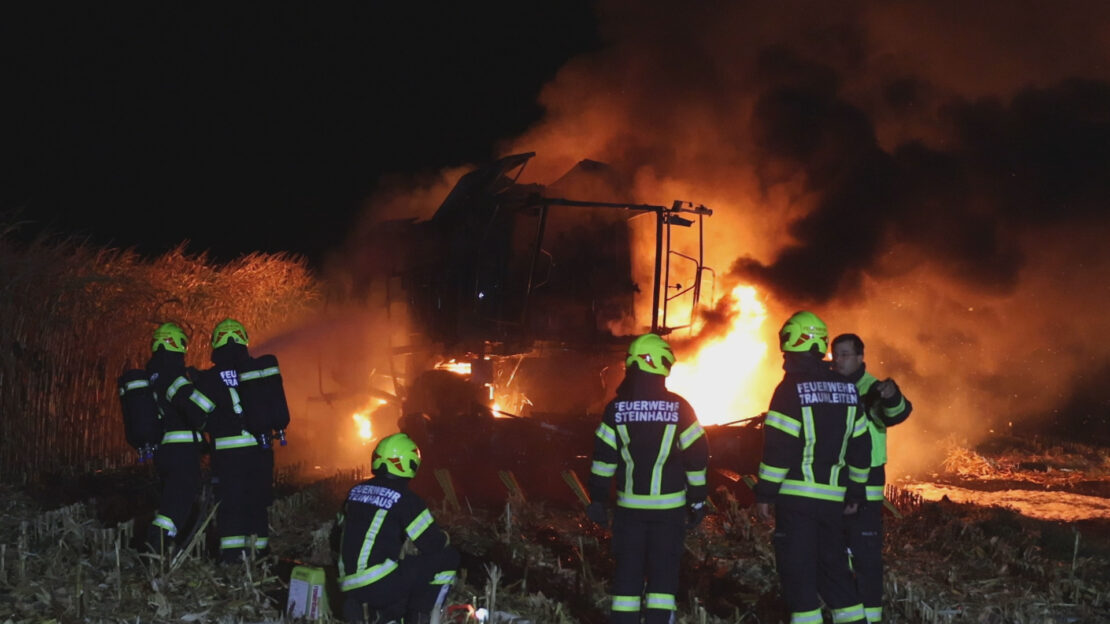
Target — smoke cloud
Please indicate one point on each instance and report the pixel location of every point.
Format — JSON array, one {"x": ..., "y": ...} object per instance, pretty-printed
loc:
[{"x": 932, "y": 176}]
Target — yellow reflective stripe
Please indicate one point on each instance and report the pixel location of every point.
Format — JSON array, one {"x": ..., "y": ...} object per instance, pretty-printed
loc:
[
  {"x": 164, "y": 522},
  {"x": 661, "y": 459},
  {"x": 626, "y": 604},
  {"x": 233, "y": 541},
  {"x": 649, "y": 501},
  {"x": 260, "y": 373},
  {"x": 695, "y": 477},
  {"x": 874, "y": 492},
  {"x": 138, "y": 383},
  {"x": 236, "y": 402},
  {"x": 179, "y": 436},
  {"x": 860, "y": 427},
  {"x": 417, "y": 527},
  {"x": 806, "y": 617},
  {"x": 177, "y": 384},
  {"x": 369, "y": 539},
  {"x": 688, "y": 437},
  {"x": 848, "y": 614},
  {"x": 874, "y": 614},
  {"x": 607, "y": 435},
  {"x": 858, "y": 475},
  {"x": 242, "y": 440},
  {"x": 774, "y": 474},
  {"x": 626, "y": 455},
  {"x": 835, "y": 470},
  {"x": 660, "y": 601},
  {"x": 809, "y": 489},
  {"x": 603, "y": 469},
  {"x": 367, "y": 576},
  {"x": 810, "y": 443},
  {"x": 202, "y": 401},
  {"x": 783, "y": 423},
  {"x": 443, "y": 578}
]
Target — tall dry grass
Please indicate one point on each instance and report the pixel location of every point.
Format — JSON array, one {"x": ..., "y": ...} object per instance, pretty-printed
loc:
[{"x": 74, "y": 316}]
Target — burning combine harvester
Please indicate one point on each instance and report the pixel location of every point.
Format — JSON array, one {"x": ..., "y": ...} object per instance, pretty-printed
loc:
[{"x": 520, "y": 302}]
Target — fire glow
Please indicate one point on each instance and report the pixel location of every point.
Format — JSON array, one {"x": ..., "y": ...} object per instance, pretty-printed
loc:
[
  {"x": 454, "y": 366},
  {"x": 728, "y": 379},
  {"x": 363, "y": 425}
]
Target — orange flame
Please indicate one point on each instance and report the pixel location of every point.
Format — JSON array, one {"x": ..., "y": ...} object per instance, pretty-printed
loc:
[
  {"x": 454, "y": 366},
  {"x": 730, "y": 379},
  {"x": 362, "y": 424}
]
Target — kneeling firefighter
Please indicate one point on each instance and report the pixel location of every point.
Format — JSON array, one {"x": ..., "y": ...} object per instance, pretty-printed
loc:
[
  {"x": 243, "y": 470},
  {"x": 650, "y": 440},
  {"x": 379, "y": 515}
]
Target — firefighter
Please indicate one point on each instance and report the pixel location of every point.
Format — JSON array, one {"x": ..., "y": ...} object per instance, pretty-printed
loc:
[
  {"x": 379, "y": 515},
  {"x": 816, "y": 454},
  {"x": 242, "y": 469},
  {"x": 885, "y": 407},
  {"x": 184, "y": 412},
  {"x": 650, "y": 440}
]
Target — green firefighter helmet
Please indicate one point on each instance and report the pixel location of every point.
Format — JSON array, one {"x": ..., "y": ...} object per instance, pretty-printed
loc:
[
  {"x": 398, "y": 455},
  {"x": 802, "y": 332},
  {"x": 229, "y": 330},
  {"x": 651, "y": 354},
  {"x": 170, "y": 337}
]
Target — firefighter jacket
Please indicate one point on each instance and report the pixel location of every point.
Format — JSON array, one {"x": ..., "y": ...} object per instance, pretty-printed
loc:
[
  {"x": 881, "y": 413},
  {"x": 377, "y": 517},
  {"x": 650, "y": 440},
  {"x": 815, "y": 442},
  {"x": 227, "y": 425},
  {"x": 183, "y": 408}
]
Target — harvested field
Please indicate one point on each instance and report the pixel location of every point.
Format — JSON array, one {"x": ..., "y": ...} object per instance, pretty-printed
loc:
[{"x": 71, "y": 560}]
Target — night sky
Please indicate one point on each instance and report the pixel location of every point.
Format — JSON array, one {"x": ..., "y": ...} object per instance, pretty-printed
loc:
[
  {"x": 934, "y": 175},
  {"x": 139, "y": 124}
]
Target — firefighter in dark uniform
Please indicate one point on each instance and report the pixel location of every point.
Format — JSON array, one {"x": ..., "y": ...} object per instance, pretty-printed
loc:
[
  {"x": 650, "y": 440},
  {"x": 377, "y": 519},
  {"x": 885, "y": 407},
  {"x": 243, "y": 476},
  {"x": 184, "y": 411},
  {"x": 261, "y": 388},
  {"x": 816, "y": 454}
]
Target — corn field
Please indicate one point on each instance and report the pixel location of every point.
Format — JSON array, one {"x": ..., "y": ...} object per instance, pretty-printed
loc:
[{"x": 76, "y": 316}]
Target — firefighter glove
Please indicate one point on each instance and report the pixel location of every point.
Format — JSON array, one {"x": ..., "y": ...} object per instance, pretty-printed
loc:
[
  {"x": 695, "y": 513},
  {"x": 598, "y": 513}
]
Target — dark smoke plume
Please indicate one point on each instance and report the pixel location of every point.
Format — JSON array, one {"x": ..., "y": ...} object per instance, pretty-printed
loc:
[{"x": 933, "y": 176}]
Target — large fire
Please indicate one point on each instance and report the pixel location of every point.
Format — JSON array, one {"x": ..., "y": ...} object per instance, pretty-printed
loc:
[{"x": 729, "y": 379}]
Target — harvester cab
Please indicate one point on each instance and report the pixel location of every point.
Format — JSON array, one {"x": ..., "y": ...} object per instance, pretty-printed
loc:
[
  {"x": 520, "y": 300},
  {"x": 506, "y": 265}
]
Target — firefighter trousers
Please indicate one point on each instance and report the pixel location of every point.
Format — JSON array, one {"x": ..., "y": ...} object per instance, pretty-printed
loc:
[
  {"x": 865, "y": 539},
  {"x": 647, "y": 549},
  {"x": 242, "y": 478},
  {"x": 418, "y": 585},
  {"x": 812, "y": 560},
  {"x": 178, "y": 467}
]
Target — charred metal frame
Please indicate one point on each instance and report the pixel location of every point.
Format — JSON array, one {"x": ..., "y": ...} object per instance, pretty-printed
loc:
[{"x": 664, "y": 218}]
